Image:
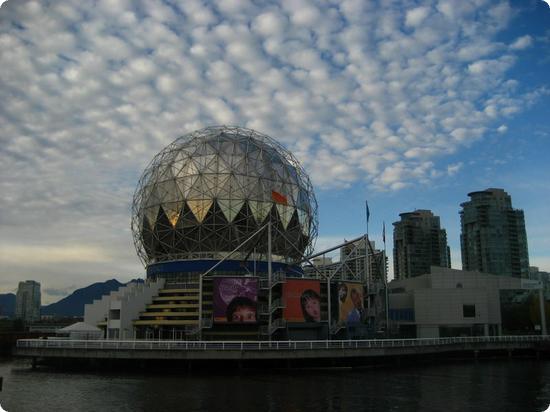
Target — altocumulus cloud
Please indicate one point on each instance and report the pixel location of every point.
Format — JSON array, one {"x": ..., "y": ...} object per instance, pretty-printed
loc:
[{"x": 356, "y": 89}]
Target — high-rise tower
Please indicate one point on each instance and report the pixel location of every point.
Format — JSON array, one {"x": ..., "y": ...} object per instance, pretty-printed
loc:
[
  {"x": 27, "y": 301},
  {"x": 493, "y": 238},
  {"x": 418, "y": 243}
]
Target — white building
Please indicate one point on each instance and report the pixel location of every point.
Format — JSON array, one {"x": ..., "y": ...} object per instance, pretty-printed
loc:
[
  {"x": 28, "y": 301},
  {"x": 450, "y": 302},
  {"x": 117, "y": 311}
]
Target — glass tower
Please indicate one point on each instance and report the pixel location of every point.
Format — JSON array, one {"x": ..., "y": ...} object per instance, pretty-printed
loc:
[
  {"x": 418, "y": 243},
  {"x": 493, "y": 238},
  {"x": 27, "y": 301}
]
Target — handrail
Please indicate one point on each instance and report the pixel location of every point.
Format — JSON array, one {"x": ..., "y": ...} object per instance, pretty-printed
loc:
[{"x": 267, "y": 345}]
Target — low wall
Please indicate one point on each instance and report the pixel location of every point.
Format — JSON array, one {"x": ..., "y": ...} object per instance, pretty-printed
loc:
[{"x": 353, "y": 350}]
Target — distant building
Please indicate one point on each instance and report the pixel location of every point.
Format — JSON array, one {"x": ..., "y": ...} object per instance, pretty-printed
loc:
[
  {"x": 450, "y": 302},
  {"x": 352, "y": 264},
  {"x": 28, "y": 301},
  {"x": 321, "y": 261},
  {"x": 355, "y": 263},
  {"x": 493, "y": 238},
  {"x": 543, "y": 277},
  {"x": 418, "y": 243},
  {"x": 536, "y": 274}
]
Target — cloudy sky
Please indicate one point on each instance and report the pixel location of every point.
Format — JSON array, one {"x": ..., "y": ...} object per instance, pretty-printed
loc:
[{"x": 409, "y": 104}]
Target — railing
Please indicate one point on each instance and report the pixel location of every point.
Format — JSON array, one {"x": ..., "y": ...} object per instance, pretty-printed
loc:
[
  {"x": 337, "y": 327},
  {"x": 207, "y": 321},
  {"x": 263, "y": 308},
  {"x": 276, "y": 278},
  {"x": 266, "y": 345},
  {"x": 276, "y": 324}
]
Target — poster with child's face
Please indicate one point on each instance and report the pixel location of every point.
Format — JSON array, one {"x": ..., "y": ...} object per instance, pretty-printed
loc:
[
  {"x": 302, "y": 300},
  {"x": 235, "y": 299},
  {"x": 350, "y": 302}
]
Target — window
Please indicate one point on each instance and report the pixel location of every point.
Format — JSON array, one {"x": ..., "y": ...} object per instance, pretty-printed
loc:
[
  {"x": 114, "y": 314},
  {"x": 469, "y": 311}
]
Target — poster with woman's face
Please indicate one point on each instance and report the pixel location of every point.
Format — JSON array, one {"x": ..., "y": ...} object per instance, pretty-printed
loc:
[
  {"x": 302, "y": 300},
  {"x": 350, "y": 302},
  {"x": 235, "y": 299}
]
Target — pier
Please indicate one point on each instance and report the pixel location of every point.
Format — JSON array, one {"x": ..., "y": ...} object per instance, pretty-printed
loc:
[{"x": 328, "y": 353}]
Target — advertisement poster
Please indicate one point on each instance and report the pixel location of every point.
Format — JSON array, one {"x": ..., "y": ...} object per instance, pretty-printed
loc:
[
  {"x": 350, "y": 303},
  {"x": 235, "y": 299},
  {"x": 303, "y": 300}
]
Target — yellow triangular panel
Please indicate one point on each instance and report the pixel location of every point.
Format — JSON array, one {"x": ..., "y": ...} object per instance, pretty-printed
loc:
[
  {"x": 285, "y": 212},
  {"x": 151, "y": 214},
  {"x": 304, "y": 221},
  {"x": 173, "y": 211},
  {"x": 259, "y": 209},
  {"x": 230, "y": 208},
  {"x": 200, "y": 208}
]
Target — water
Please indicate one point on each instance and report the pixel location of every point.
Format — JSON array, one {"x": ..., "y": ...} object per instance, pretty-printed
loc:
[{"x": 502, "y": 385}]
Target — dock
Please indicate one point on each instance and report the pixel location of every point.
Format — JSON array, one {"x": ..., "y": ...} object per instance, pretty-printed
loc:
[{"x": 325, "y": 352}]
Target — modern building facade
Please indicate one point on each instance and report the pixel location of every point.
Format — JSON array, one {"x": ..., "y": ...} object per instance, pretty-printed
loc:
[
  {"x": 418, "y": 243},
  {"x": 450, "y": 302},
  {"x": 28, "y": 301},
  {"x": 493, "y": 238}
]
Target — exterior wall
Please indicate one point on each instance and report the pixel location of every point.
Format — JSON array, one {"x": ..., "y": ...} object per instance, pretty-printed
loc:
[
  {"x": 445, "y": 307},
  {"x": 427, "y": 331},
  {"x": 407, "y": 285},
  {"x": 121, "y": 307},
  {"x": 98, "y": 310},
  {"x": 438, "y": 300},
  {"x": 135, "y": 303}
]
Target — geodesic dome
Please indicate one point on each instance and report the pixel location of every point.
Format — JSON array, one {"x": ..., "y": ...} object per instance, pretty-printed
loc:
[{"x": 210, "y": 190}]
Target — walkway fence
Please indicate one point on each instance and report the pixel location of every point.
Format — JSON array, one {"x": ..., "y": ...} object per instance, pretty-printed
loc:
[{"x": 172, "y": 345}]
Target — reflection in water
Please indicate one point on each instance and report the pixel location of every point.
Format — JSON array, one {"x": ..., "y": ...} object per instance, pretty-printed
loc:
[{"x": 518, "y": 385}]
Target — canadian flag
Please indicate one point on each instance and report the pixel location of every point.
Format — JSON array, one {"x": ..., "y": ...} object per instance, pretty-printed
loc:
[{"x": 279, "y": 198}]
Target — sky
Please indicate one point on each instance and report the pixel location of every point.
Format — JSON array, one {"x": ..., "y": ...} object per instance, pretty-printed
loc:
[{"x": 406, "y": 104}]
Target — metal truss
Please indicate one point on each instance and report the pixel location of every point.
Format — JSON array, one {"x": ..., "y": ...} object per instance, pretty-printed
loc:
[{"x": 209, "y": 190}]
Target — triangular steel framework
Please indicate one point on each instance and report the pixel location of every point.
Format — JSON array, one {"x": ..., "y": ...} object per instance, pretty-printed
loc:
[{"x": 208, "y": 190}]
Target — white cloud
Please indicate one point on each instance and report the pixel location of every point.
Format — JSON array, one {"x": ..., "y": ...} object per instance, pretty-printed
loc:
[
  {"x": 358, "y": 91},
  {"x": 416, "y": 16},
  {"x": 453, "y": 169},
  {"x": 502, "y": 128},
  {"x": 522, "y": 42}
]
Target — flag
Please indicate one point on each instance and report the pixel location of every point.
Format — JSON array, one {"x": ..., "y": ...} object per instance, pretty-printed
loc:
[
  {"x": 279, "y": 198},
  {"x": 368, "y": 211},
  {"x": 384, "y": 231}
]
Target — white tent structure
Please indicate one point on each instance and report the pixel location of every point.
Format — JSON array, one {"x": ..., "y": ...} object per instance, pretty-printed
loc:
[{"x": 81, "y": 330}]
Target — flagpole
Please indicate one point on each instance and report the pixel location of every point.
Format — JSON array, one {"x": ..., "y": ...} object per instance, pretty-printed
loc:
[
  {"x": 368, "y": 215},
  {"x": 386, "y": 281}
]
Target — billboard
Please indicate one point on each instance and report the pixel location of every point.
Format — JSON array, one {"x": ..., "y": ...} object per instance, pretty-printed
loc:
[
  {"x": 235, "y": 299},
  {"x": 350, "y": 303},
  {"x": 303, "y": 300}
]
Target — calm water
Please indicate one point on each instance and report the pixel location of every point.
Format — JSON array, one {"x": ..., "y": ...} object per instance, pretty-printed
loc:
[{"x": 503, "y": 385}]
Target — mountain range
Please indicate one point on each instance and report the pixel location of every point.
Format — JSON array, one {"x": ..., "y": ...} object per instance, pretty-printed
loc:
[{"x": 71, "y": 305}]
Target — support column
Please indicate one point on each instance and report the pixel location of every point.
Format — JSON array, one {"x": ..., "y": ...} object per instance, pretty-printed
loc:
[
  {"x": 269, "y": 278},
  {"x": 329, "y": 309},
  {"x": 541, "y": 305},
  {"x": 200, "y": 307}
]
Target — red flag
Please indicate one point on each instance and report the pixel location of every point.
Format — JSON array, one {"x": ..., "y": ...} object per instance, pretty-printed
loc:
[{"x": 279, "y": 198}]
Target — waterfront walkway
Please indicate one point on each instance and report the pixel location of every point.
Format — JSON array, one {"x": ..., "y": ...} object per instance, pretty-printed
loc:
[{"x": 274, "y": 350}]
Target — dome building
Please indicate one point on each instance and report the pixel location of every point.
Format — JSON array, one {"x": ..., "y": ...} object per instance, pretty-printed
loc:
[
  {"x": 222, "y": 219},
  {"x": 209, "y": 191}
]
